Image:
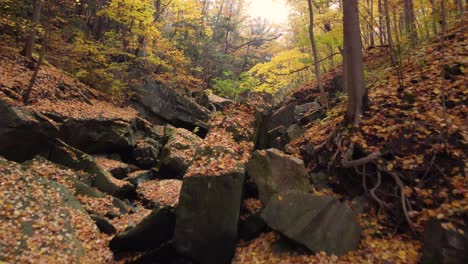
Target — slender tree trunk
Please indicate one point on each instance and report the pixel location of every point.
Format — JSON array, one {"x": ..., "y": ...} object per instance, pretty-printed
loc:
[
  {"x": 381, "y": 24},
  {"x": 28, "y": 91},
  {"x": 409, "y": 20},
  {"x": 434, "y": 16},
  {"x": 29, "y": 47},
  {"x": 423, "y": 10},
  {"x": 389, "y": 33},
  {"x": 315, "y": 54},
  {"x": 353, "y": 63},
  {"x": 371, "y": 24}
]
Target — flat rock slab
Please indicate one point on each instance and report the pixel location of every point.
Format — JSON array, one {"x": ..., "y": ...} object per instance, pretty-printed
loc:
[
  {"x": 445, "y": 245},
  {"x": 150, "y": 233},
  {"x": 207, "y": 217},
  {"x": 320, "y": 223},
  {"x": 274, "y": 171}
]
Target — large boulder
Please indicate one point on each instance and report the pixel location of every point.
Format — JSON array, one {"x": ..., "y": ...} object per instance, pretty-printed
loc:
[
  {"x": 150, "y": 233},
  {"x": 445, "y": 243},
  {"x": 24, "y": 134},
  {"x": 208, "y": 211},
  {"x": 320, "y": 223},
  {"x": 99, "y": 135},
  {"x": 284, "y": 116},
  {"x": 178, "y": 152},
  {"x": 308, "y": 112},
  {"x": 172, "y": 106},
  {"x": 145, "y": 154},
  {"x": 42, "y": 222},
  {"x": 63, "y": 154},
  {"x": 214, "y": 102},
  {"x": 274, "y": 171}
]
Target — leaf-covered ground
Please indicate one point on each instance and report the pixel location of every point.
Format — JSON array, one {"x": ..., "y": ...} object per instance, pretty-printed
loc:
[{"x": 419, "y": 123}]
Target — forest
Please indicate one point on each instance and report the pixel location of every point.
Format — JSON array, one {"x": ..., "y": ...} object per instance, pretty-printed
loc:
[{"x": 199, "y": 131}]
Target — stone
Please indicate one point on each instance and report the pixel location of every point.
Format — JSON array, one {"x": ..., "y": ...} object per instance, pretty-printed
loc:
[
  {"x": 68, "y": 156},
  {"x": 320, "y": 223},
  {"x": 274, "y": 171},
  {"x": 34, "y": 197},
  {"x": 300, "y": 111},
  {"x": 284, "y": 116},
  {"x": 294, "y": 131},
  {"x": 103, "y": 224},
  {"x": 215, "y": 102},
  {"x": 167, "y": 103},
  {"x": 99, "y": 136},
  {"x": 443, "y": 245},
  {"x": 319, "y": 179},
  {"x": 277, "y": 137},
  {"x": 154, "y": 230},
  {"x": 145, "y": 154},
  {"x": 114, "y": 166},
  {"x": 207, "y": 216},
  {"x": 24, "y": 134},
  {"x": 178, "y": 152},
  {"x": 251, "y": 227},
  {"x": 140, "y": 176}
]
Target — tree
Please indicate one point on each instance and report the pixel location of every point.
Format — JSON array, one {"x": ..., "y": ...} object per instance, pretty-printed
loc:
[
  {"x": 353, "y": 64},
  {"x": 409, "y": 20},
  {"x": 29, "y": 47},
  {"x": 315, "y": 54}
]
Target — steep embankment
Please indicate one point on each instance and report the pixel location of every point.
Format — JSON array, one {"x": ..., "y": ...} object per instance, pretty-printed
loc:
[{"x": 408, "y": 158}]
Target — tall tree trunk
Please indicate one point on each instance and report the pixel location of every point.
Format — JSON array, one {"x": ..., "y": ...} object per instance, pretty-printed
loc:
[
  {"x": 353, "y": 63},
  {"x": 370, "y": 3},
  {"x": 381, "y": 24},
  {"x": 409, "y": 20},
  {"x": 389, "y": 33},
  {"x": 29, "y": 47},
  {"x": 423, "y": 10},
  {"x": 28, "y": 91},
  {"x": 315, "y": 54},
  {"x": 434, "y": 16}
]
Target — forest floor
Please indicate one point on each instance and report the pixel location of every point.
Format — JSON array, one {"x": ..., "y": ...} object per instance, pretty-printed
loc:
[{"x": 417, "y": 120}]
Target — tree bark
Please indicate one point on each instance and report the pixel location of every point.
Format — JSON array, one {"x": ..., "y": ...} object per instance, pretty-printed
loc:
[
  {"x": 409, "y": 20},
  {"x": 315, "y": 54},
  {"x": 389, "y": 33},
  {"x": 353, "y": 63},
  {"x": 29, "y": 47}
]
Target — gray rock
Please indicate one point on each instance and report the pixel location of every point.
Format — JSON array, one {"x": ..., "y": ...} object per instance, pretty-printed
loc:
[
  {"x": 274, "y": 171},
  {"x": 294, "y": 132},
  {"x": 277, "y": 137},
  {"x": 98, "y": 136},
  {"x": 443, "y": 245},
  {"x": 138, "y": 177},
  {"x": 319, "y": 179},
  {"x": 178, "y": 151},
  {"x": 282, "y": 117},
  {"x": 172, "y": 106},
  {"x": 207, "y": 216},
  {"x": 215, "y": 102},
  {"x": 35, "y": 197},
  {"x": 300, "y": 111},
  {"x": 320, "y": 223},
  {"x": 145, "y": 154},
  {"x": 68, "y": 156},
  {"x": 150, "y": 233},
  {"x": 24, "y": 134},
  {"x": 103, "y": 224}
]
